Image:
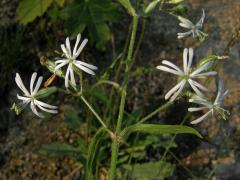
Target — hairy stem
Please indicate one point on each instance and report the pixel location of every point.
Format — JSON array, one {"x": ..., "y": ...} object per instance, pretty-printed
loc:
[{"x": 115, "y": 143}]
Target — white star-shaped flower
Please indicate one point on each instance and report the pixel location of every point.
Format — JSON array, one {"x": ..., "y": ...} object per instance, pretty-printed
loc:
[
  {"x": 186, "y": 76},
  {"x": 72, "y": 62},
  {"x": 29, "y": 97},
  {"x": 211, "y": 106},
  {"x": 194, "y": 29}
]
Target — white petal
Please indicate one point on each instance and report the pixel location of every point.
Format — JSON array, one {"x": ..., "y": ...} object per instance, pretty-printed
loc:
[
  {"x": 86, "y": 64},
  {"x": 198, "y": 85},
  {"x": 65, "y": 51},
  {"x": 171, "y": 91},
  {"x": 200, "y": 22},
  {"x": 179, "y": 90},
  {"x": 190, "y": 58},
  {"x": 68, "y": 46},
  {"x": 201, "y": 75},
  {"x": 45, "y": 104},
  {"x": 182, "y": 35},
  {"x": 201, "y": 118},
  {"x": 185, "y": 22},
  {"x": 26, "y": 99},
  {"x": 200, "y": 101},
  {"x": 80, "y": 48},
  {"x": 39, "y": 82},
  {"x": 87, "y": 70},
  {"x": 200, "y": 69},
  {"x": 76, "y": 44},
  {"x": 60, "y": 65},
  {"x": 34, "y": 110},
  {"x": 172, "y": 65},
  {"x": 196, "y": 109},
  {"x": 61, "y": 61},
  {"x": 47, "y": 110},
  {"x": 195, "y": 88},
  {"x": 20, "y": 84},
  {"x": 33, "y": 78},
  {"x": 164, "y": 68},
  {"x": 185, "y": 60},
  {"x": 72, "y": 76},
  {"x": 67, "y": 76}
]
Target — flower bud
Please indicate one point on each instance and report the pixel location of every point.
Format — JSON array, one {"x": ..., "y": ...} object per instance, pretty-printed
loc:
[
  {"x": 45, "y": 92},
  {"x": 151, "y": 6},
  {"x": 51, "y": 66}
]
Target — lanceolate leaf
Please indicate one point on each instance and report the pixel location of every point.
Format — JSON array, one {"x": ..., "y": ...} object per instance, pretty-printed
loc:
[
  {"x": 92, "y": 150},
  {"x": 159, "y": 129},
  {"x": 58, "y": 149},
  {"x": 29, "y": 10}
]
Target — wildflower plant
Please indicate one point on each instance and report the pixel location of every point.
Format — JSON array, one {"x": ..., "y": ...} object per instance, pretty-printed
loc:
[{"x": 113, "y": 128}]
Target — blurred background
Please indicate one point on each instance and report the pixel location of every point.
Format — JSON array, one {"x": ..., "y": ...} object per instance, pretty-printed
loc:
[{"x": 30, "y": 29}]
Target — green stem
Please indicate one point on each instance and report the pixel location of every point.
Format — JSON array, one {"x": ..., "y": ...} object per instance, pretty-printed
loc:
[
  {"x": 164, "y": 106},
  {"x": 115, "y": 143},
  {"x": 95, "y": 113}
]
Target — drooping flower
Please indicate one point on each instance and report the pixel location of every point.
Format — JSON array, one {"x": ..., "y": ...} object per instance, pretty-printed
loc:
[
  {"x": 72, "y": 62},
  {"x": 29, "y": 97},
  {"x": 186, "y": 76},
  {"x": 194, "y": 29},
  {"x": 213, "y": 107}
]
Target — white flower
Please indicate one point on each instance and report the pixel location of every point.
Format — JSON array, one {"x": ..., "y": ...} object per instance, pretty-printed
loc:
[
  {"x": 29, "y": 97},
  {"x": 72, "y": 62},
  {"x": 211, "y": 106},
  {"x": 194, "y": 29},
  {"x": 186, "y": 75}
]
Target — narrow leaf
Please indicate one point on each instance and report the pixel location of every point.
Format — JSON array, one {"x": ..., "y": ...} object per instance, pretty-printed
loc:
[{"x": 159, "y": 129}]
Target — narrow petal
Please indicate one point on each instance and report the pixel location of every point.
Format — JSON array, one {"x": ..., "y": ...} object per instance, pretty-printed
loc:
[
  {"x": 174, "y": 89},
  {"x": 45, "y": 104},
  {"x": 60, "y": 66},
  {"x": 65, "y": 50},
  {"x": 73, "y": 81},
  {"x": 198, "y": 85},
  {"x": 179, "y": 90},
  {"x": 196, "y": 109},
  {"x": 185, "y": 22},
  {"x": 182, "y": 35},
  {"x": 172, "y": 66},
  {"x": 39, "y": 82},
  {"x": 68, "y": 46},
  {"x": 80, "y": 48},
  {"x": 164, "y": 68},
  {"x": 26, "y": 99},
  {"x": 200, "y": 22},
  {"x": 201, "y": 118},
  {"x": 61, "y": 61},
  {"x": 76, "y": 44},
  {"x": 185, "y": 60},
  {"x": 190, "y": 58},
  {"x": 67, "y": 76},
  {"x": 200, "y": 69},
  {"x": 201, "y": 75},
  {"x": 20, "y": 84},
  {"x": 47, "y": 110},
  {"x": 86, "y": 65},
  {"x": 34, "y": 110},
  {"x": 195, "y": 89},
  {"x": 33, "y": 78},
  {"x": 87, "y": 70},
  {"x": 200, "y": 102}
]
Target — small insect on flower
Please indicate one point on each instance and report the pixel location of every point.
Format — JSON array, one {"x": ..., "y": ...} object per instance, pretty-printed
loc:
[
  {"x": 30, "y": 97},
  {"x": 70, "y": 59},
  {"x": 194, "y": 29},
  {"x": 186, "y": 76},
  {"x": 213, "y": 107}
]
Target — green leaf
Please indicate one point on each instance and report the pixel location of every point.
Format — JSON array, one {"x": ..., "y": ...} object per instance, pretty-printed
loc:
[
  {"x": 60, "y": 2},
  {"x": 92, "y": 150},
  {"x": 57, "y": 149},
  {"x": 151, "y": 6},
  {"x": 159, "y": 129},
  {"x": 153, "y": 170},
  {"x": 72, "y": 120},
  {"x": 93, "y": 16},
  {"x": 29, "y": 10},
  {"x": 127, "y": 5}
]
